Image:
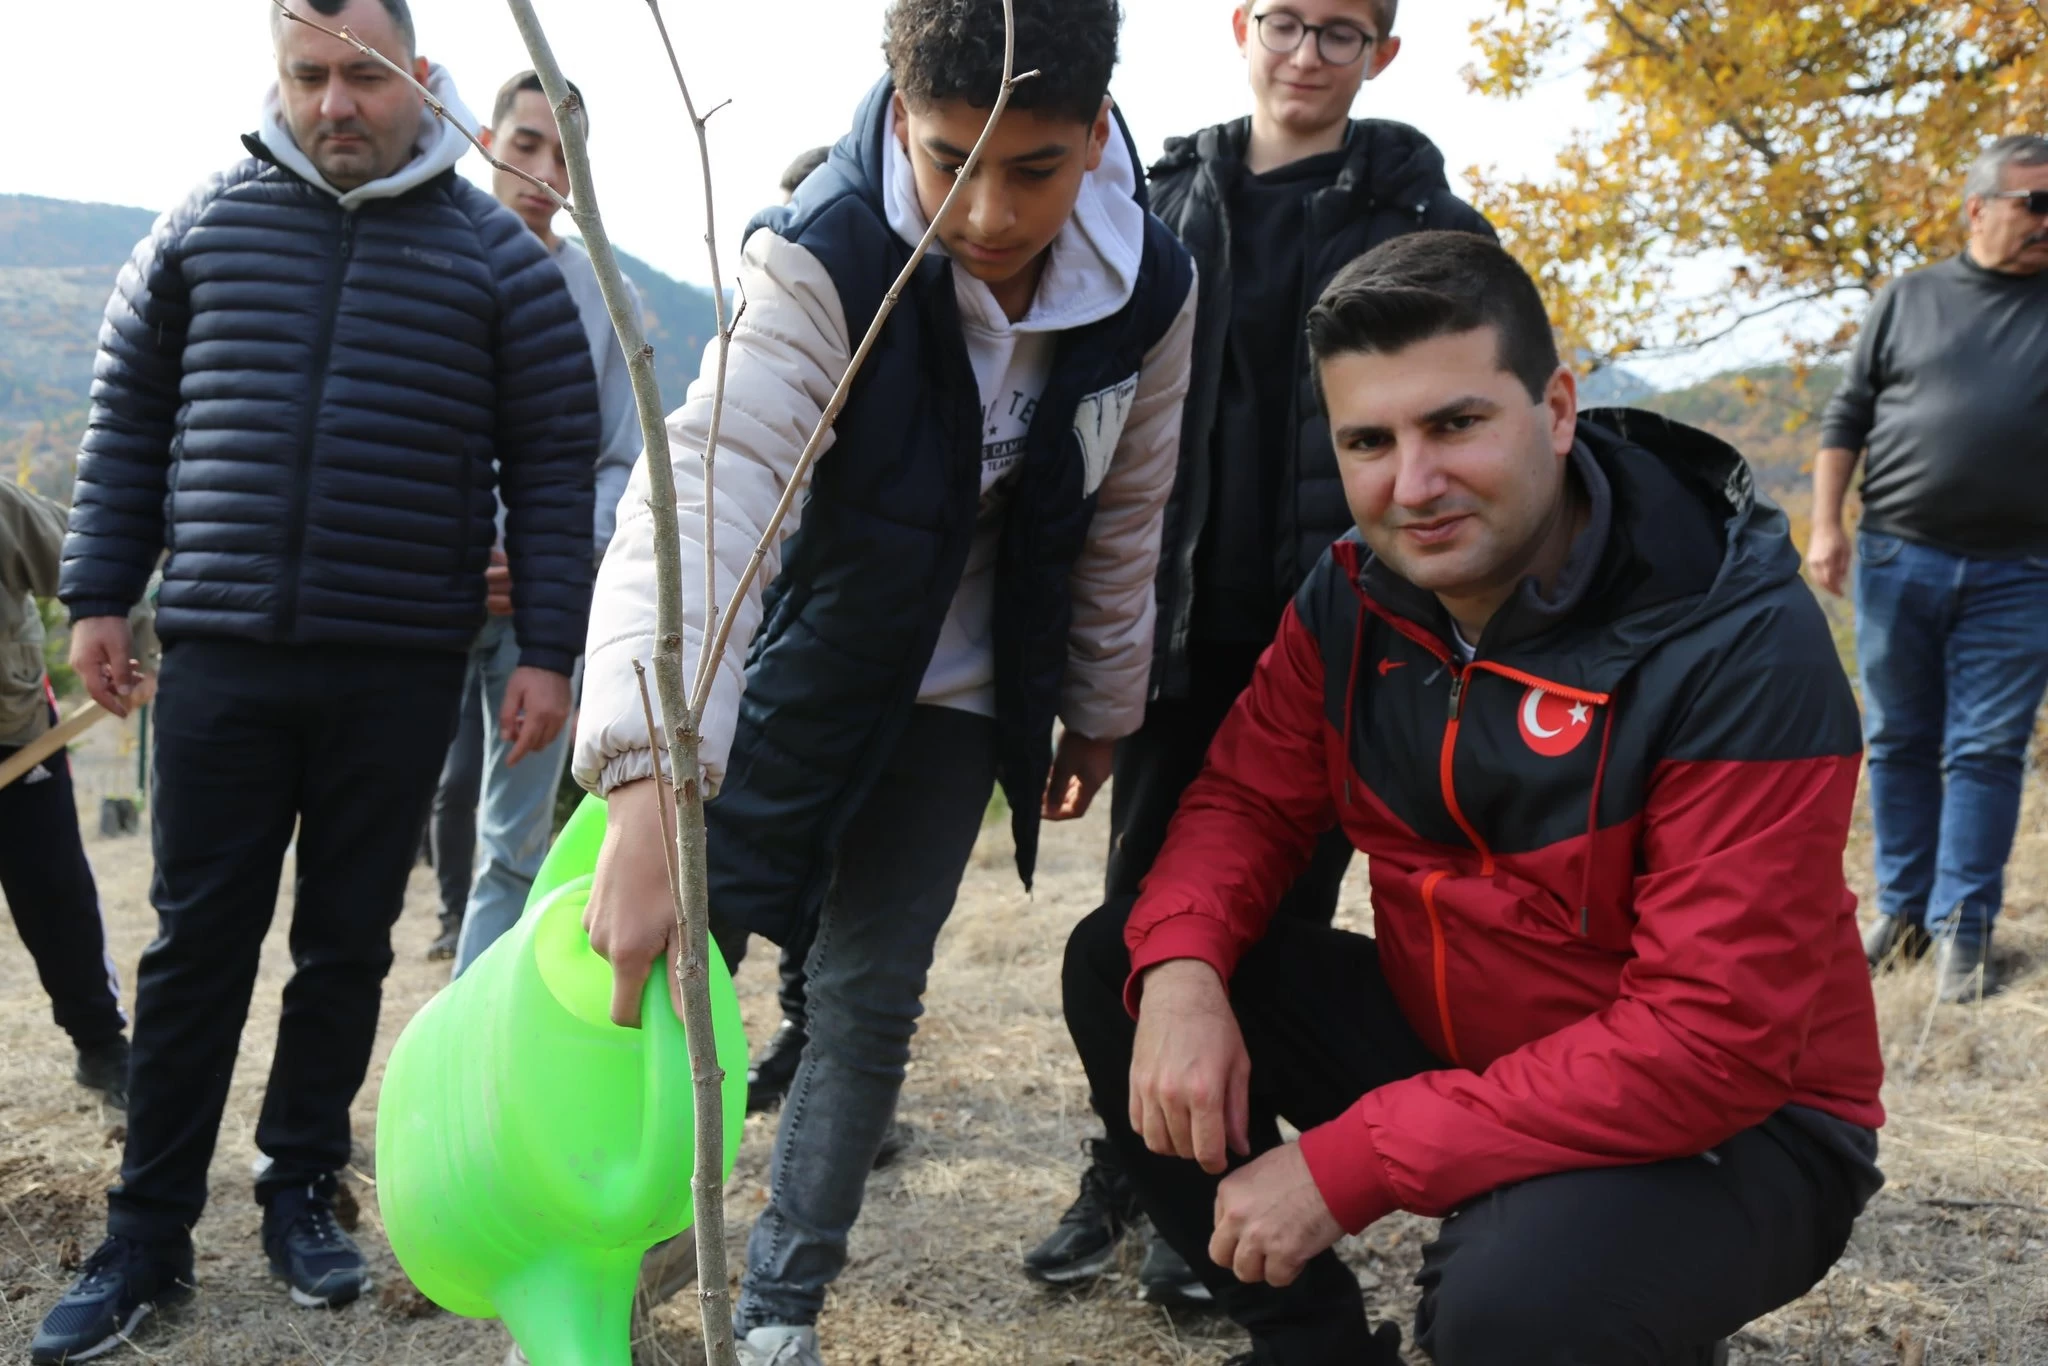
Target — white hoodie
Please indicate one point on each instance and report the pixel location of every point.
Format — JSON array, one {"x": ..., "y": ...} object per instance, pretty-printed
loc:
[
  {"x": 789, "y": 351},
  {"x": 439, "y": 147},
  {"x": 1090, "y": 271}
]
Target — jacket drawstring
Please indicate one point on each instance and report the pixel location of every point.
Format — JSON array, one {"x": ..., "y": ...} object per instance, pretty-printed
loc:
[{"x": 1593, "y": 822}]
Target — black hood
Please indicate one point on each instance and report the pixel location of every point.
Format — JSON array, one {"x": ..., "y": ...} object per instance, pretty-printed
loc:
[
  {"x": 1679, "y": 534},
  {"x": 1390, "y": 163}
]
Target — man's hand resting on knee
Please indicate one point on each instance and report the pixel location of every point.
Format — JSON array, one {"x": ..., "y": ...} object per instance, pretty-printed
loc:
[
  {"x": 1190, "y": 1097},
  {"x": 1190, "y": 1075},
  {"x": 1271, "y": 1219}
]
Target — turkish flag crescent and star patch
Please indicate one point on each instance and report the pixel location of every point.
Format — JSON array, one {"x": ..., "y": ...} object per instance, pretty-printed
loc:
[{"x": 1554, "y": 726}]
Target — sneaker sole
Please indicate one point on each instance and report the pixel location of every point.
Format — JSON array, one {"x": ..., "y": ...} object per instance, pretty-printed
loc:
[
  {"x": 307, "y": 1300},
  {"x": 1073, "y": 1273},
  {"x": 119, "y": 1338},
  {"x": 1178, "y": 1295}
]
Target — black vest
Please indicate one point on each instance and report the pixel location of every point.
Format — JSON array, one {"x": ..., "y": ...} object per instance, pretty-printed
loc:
[{"x": 851, "y": 621}]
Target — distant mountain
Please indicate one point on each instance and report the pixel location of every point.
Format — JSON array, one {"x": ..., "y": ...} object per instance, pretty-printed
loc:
[
  {"x": 1614, "y": 386},
  {"x": 62, "y": 232},
  {"x": 1771, "y": 414},
  {"x": 58, "y": 263},
  {"x": 680, "y": 323},
  {"x": 59, "y": 259}
]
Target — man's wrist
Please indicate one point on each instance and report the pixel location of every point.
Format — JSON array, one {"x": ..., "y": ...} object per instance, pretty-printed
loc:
[{"x": 1182, "y": 977}]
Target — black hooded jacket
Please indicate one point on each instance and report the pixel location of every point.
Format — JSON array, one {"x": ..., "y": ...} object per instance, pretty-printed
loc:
[{"x": 1392, "y": 182}]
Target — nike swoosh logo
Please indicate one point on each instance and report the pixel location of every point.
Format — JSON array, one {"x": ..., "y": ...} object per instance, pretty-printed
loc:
[{"x": 1387, "y": 666}]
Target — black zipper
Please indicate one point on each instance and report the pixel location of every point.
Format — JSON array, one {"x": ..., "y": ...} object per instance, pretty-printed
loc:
[{"x": 302, "y": 475}]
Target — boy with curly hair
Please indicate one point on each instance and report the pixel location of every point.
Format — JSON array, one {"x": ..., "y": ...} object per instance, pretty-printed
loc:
[{"x": 973, "y": 559}]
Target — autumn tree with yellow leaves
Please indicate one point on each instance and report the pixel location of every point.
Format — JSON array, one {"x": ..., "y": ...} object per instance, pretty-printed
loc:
[{"x": 1752, "y": 157}]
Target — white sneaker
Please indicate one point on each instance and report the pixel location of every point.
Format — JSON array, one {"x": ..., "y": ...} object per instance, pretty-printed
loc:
[{"x": 780, "y": 1344}]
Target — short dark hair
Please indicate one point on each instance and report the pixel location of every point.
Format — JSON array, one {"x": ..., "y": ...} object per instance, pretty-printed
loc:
[
  {"x": 953, "y": 49},
  {"x": 400, "y": 12},
  {"x": 1435, "y": 284},
  {"x": 510, "y": 91},
  {"x": 1383, "y": 12},
  {"x": 798, "y": 171}
]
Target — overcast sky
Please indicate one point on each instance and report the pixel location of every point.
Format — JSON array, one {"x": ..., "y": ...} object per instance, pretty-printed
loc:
[{"x": 136, "y": 101}]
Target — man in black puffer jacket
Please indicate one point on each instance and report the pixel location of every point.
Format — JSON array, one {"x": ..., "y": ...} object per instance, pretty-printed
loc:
[
  {"x": 1271, "y": 207},
  {"x": 313, "y": 378}
]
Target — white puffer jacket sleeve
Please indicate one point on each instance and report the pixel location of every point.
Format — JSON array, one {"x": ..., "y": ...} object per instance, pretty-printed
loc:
[
  {"x": 1109, "y": 645},
  {"x": 788, "y": 353}
]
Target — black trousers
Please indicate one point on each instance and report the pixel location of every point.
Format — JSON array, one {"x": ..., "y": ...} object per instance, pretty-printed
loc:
[
  {"x": 252, "y": 740},
  {"x": 1620, "y": 1266},
  {"x": 451, "y": 824},
  {"x": 1155, "y": 765},
  {"x": 56, "y": 906}
]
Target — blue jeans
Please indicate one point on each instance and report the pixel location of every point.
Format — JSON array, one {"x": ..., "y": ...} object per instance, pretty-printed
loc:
[
  {"x": 894, "y": 878},
  {"x": 515, "y": 817},
  {"x": 1954, "y": 657}
]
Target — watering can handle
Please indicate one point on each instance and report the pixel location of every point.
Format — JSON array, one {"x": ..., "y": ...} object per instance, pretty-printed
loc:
[{"x": 668, "y": 1110}]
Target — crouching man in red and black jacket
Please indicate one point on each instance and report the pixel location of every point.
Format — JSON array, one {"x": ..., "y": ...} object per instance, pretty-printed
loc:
[{"x": 1568, "y": 694}]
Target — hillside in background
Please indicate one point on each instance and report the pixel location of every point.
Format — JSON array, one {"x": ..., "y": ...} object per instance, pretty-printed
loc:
[
  {"x": 58, "y": 263},
  {"x": 1770, "y": 414},
  {"x": 59, "y": 259}
]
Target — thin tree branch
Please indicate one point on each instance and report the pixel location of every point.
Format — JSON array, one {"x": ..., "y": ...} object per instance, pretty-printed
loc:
[
  {"x": 1744, "y": 319},
  {"x": 690, "y": 902},
  {"x": 439, "y": 109},
  {"x": 725, "y": 330},
  {"x": 809, "y": 457}
]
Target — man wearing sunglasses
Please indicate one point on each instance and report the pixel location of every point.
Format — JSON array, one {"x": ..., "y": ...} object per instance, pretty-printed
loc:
[
  {"x": 1945, "y": 400},
  {"x": 1270, "y": 206}
]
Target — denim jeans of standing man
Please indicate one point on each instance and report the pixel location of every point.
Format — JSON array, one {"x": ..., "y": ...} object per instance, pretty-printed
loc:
[
  {"x": 515, "y": 816},
  {"x": 1953, "y": 652}
]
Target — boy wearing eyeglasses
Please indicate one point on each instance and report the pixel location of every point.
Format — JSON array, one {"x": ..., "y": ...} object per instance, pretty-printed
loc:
[{"x": 1271, "y": 206}]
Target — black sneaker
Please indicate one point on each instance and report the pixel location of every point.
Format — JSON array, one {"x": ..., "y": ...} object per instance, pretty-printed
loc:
[
  {"x": 1084, "y": 1244},
  {"x": 1166, "y": 1279},
  {"x": 103, "y": 1067},
  {"x": 309, "y": 1250},
  {"x": 1893, "y": 941},
  {"x": 769, "y": 1076},
  {"x": 123, "y": 1282},
  {"x": 896, "y": 1141},
  {"x": 1962, "y": 969},
  {"x": 446, "y": 942}
]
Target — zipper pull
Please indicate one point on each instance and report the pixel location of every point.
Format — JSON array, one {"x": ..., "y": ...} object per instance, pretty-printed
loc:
[{"x": 1457, "y": 693}]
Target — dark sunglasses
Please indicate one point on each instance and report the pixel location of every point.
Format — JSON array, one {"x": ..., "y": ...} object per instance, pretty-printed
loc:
[{"x": 2036, "y": 200}]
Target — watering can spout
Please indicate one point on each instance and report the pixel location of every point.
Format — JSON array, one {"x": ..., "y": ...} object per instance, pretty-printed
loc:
[{"x": 572, "y": 1309}]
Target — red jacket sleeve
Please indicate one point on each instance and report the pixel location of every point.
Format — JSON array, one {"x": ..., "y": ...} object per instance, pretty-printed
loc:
[
  {"x": 1247, "y": 826},
  {"x": 1738, "y": 906}
]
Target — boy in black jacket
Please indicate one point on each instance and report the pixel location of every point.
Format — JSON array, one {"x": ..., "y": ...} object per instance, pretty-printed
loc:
[{"x": 1271, "y": 207}]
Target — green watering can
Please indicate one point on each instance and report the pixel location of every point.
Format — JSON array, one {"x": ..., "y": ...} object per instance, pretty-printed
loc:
[{"x": 529, "y": 1151}]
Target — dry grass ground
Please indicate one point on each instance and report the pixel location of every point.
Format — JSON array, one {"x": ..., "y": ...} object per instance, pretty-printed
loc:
[{"x": 1946, "y": 1267}]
